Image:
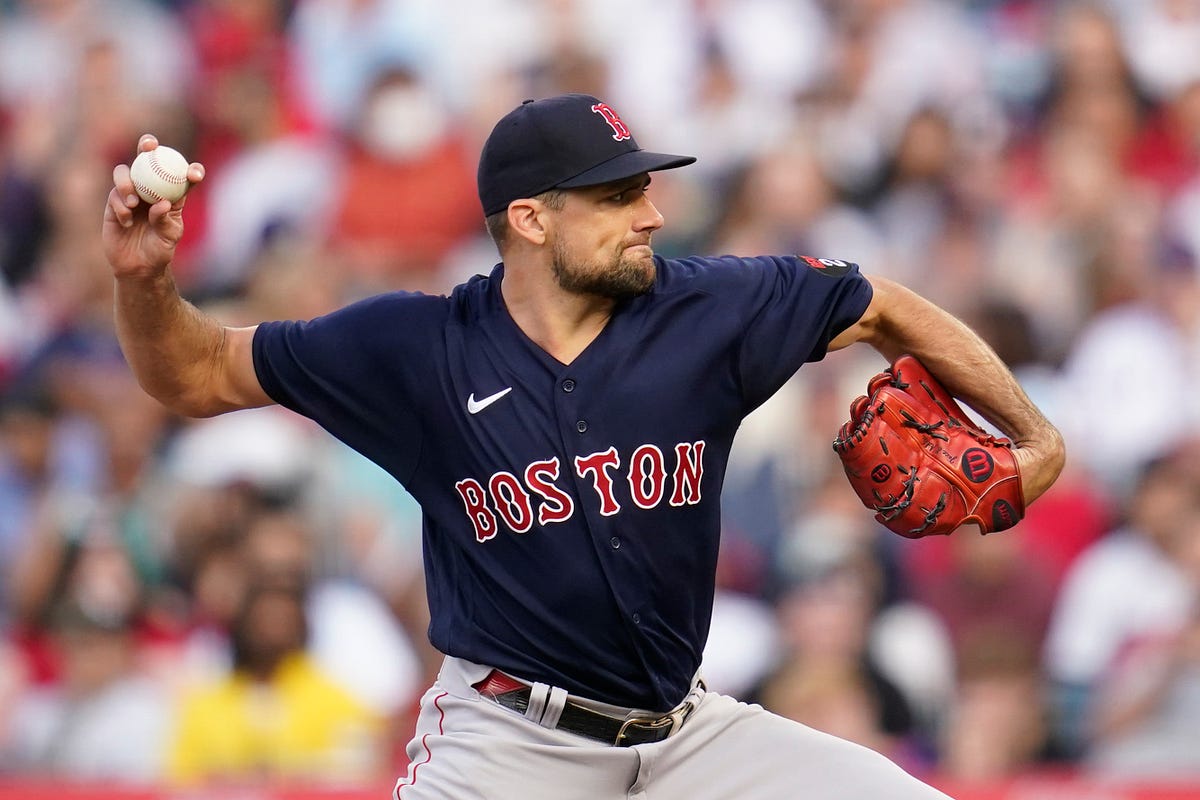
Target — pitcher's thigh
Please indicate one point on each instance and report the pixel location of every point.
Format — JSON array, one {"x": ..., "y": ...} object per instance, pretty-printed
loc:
[{"x": 736, "y": 750}]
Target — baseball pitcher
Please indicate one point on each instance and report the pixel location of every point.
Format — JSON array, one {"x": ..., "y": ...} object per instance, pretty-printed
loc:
[{"x": 565, "y": 422}]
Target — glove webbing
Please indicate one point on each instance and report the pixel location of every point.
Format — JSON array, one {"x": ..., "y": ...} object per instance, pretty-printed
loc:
[
  {"x": 860, "y": 429},
  {"x": 894, "y": 506},
  {"x": 927, "y": 428},
  {"x": 953, "y": 420},
  {"x": 898, "y": 383},
  {"x": 931, "y": 514}
]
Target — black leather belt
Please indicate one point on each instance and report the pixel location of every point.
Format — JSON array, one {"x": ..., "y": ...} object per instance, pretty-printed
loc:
[{"x": 583, "y": 721}]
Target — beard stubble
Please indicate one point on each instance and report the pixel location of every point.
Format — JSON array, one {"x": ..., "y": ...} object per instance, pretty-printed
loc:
[{"x": 625, "y": 277}]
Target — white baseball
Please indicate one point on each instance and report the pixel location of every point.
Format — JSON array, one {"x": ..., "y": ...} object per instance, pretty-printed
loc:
[{"x": 159, "y": 174}]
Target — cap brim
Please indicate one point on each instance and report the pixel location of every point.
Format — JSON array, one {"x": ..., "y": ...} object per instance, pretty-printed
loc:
[{"x": 625, "y": 165}]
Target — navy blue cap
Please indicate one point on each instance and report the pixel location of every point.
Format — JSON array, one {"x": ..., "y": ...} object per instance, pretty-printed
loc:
[{"x": 560, "y": 142}]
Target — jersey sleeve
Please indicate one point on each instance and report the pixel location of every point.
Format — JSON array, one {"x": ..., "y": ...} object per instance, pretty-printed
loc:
[
  {"x": 796, "y": 305},
  {"x": 356, "y": 372}
]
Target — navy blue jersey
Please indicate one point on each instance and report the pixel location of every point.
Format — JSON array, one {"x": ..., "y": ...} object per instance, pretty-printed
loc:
[{"x": 571, "y": 512}]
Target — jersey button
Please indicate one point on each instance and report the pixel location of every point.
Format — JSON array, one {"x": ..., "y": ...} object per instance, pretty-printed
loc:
[
  {"x": 568, "y": 385},
  {"x": 637, "y": 618},
  {"x": 615, "y": 542},
  {"x": 581, "y": 426}
]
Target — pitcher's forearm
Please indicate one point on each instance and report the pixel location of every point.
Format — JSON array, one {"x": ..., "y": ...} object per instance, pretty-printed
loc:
[
  {"x": 171, "y": 346},
  {"x": 186, "y": 360}
]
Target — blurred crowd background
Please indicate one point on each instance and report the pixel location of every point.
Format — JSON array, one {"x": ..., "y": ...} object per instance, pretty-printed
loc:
[{"x": 240, "y": 599}]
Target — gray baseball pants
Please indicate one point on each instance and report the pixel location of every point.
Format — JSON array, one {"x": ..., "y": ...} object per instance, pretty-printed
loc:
[{"x": 467, "y": 747}]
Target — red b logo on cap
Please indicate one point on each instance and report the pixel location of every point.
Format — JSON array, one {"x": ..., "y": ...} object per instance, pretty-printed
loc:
[{"x": 620, "y": 132}]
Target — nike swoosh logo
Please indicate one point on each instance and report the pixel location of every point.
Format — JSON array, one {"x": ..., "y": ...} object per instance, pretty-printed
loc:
[{"x": 475, "y": 406}]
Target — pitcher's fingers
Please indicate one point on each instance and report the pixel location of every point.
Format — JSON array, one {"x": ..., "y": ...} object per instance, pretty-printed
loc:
[
  {"x": 195, "y": 173},
  {"x": 159, "y": 209},
  {"x": 147, "y": 141},
  {"x": 124, "y": 185},
  {"x": 117, "y": 207}
]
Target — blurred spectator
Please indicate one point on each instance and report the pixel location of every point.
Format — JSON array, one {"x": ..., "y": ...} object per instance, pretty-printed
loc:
[
  {"x": 374, "y": 547},
  {"x": 884, "y": 72},
  {"x": 904, "y": 643},
  {"x": 289, "y": 279},
  {"x": 352, "y": 636},
  {"x": 265, "y": 448},
  {"x": 340, "y": 47},
  {"x": 997, "y": 726},
  {"x": 992, "y": 593},
  {"x": 236, "y": 37},
  {"x": 406, "y": 194},
  {"x": 1075, "y": 237},
  {"x": 276, "y": 716},
  {"x": 1151, "y": 349},
  {"x": 102, "y": 717},
  {"x": 42, "y": 455},
  {"x": 1016, "y": 62},
  {"x": 827, "y": 678},
  {"x": 43, "y": 43},
  {"x": 117, "y": 515},
  {"x": 743, "y": 637},
  {"x": 243, "y": 93},
  {"x": 273, "y": 187},
  {"x": 784, "y": 201},
  {"x": 917, "y": 199},
  {"x": 337, "y": 49},
  {"x": 24, "y": 221},
  {"x": 1070, "y": 248},
  {"x": 835, "y": 698},
  {"x": 211, "y": 573},
  {"x": 269, "y": 163},
  {"x": 1124, "y": 587},
  {"x": 1148, "y": 703},
  {"x": 103, "y": 720},
  {"x": 728, "y": 79}
]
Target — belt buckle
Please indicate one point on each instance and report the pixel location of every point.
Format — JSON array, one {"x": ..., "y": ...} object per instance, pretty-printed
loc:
[{"x": 674, "y": 719}]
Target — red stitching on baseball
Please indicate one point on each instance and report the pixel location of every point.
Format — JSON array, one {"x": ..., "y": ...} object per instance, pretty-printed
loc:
[
  {"x": 143, "y": 189},
  {"x": 161, "y": 172}
]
